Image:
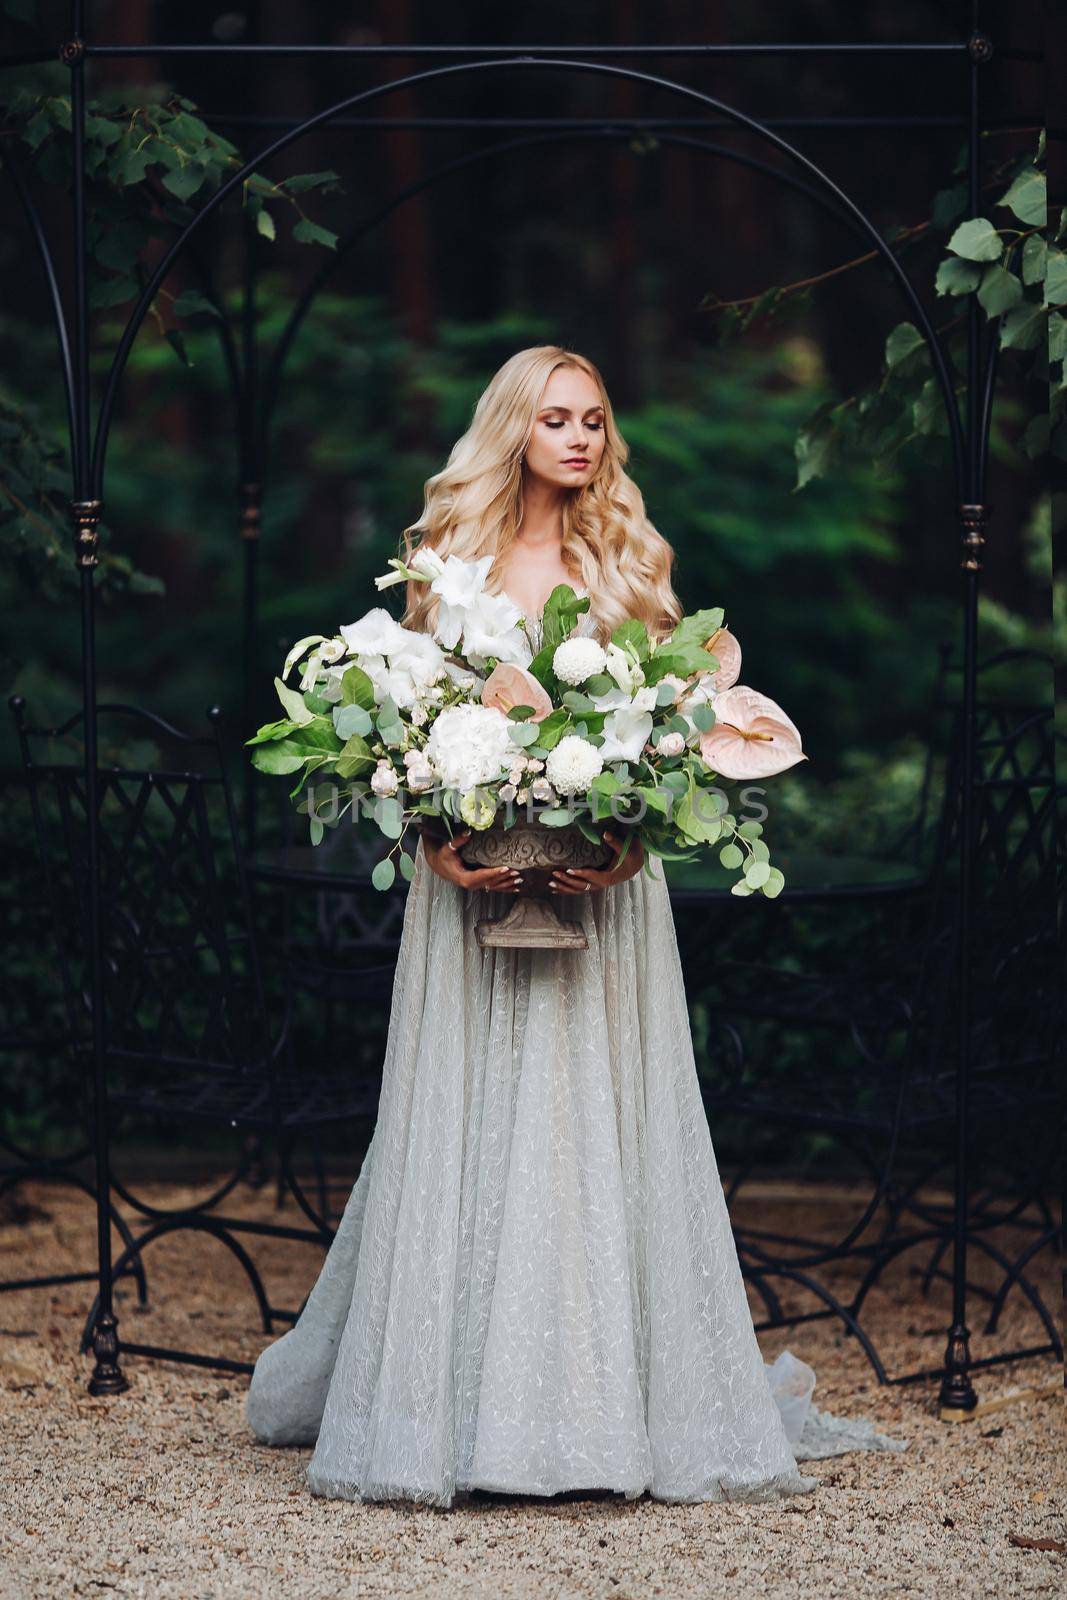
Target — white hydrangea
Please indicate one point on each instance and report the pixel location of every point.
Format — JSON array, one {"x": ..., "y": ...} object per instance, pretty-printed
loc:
[
  {"x": 577, "y": 659},
  {"x": 470, "y": 745},
  {"x": 573, "y": 764}
]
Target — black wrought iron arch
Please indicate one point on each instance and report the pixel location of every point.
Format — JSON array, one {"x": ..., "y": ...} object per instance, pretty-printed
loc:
[{"x": 851, "y": 213}]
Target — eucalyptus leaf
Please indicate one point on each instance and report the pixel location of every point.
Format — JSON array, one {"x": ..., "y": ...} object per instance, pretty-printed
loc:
[{"x": 383, "y": 874}]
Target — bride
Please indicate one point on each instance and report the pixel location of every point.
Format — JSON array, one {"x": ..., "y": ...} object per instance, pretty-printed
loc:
[{"x": 534, "y": 1285}]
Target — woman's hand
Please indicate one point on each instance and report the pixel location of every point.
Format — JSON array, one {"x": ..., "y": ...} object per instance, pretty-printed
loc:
[
  {"x": 581, "y": 880},
  {"x": 443, "y": 856}
]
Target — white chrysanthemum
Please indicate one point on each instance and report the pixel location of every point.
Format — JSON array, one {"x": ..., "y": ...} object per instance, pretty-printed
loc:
[
  {"x": 573, "y": 764},
  {"x": 469, "y": 745},
  {"x": 577, "y": 659}
]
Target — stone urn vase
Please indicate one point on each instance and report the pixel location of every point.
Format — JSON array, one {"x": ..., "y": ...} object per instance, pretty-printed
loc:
[{"x": 532, "y": 921}]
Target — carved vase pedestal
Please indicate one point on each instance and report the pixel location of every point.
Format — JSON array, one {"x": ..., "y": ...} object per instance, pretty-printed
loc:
[{"x": 533, "y": 921}]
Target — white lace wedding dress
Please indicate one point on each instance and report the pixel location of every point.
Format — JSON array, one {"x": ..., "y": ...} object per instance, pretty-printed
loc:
[{"x": 534, "y": 1285}]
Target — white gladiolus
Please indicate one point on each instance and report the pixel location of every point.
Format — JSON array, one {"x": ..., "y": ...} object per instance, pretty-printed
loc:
[
  {"x": 375, "y": 634},
  {"x": 457, "y": 586},
  {"x": 470, "y": 745},
  {"x": 625, "y": 732},
  {"x": 575, "y": 660},
  {"x": 573, "y": 764},
  {"x": 626, "y": 672},
  {"x": 490, "y": 629}
]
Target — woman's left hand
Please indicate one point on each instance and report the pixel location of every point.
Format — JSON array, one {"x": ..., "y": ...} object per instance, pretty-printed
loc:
[{"x": 581, "y": 880}]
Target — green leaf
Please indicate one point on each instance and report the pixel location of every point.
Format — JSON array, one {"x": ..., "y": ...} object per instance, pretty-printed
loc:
[
  {"x": 302, "y": 181},
  {"x": 192, "y": 303},
  {"x": 384, "y": 873},
  {"x": 574, "y": 701},
  {"x": 774, "y": 884},
  {"x": 905, "y": 340},
  {"x": 407, "y": 865},
  {"x": 1023, "y": 327},
  {"x": 551, "y": 730},
  {"x": 999, "y": 291},
  {"x": 730, "y": 856},
  {"x": 632, "y": 632},
  {"x": 555, "y": 817},
  {"x": 388, "y": 813},
  {"x": 1035, "y": 252},
  {"x": 695, "y": 822},
  {"x": 520, "y": 713},
  {"x": 184, "y": 182},
  {"x": 1056, "y": 278},
  {"x": 265, "y": 226},
  {"x": 273, "y": 730},
  {"x": 524, "y": 733},
  {"x": 281, "y": 757},
  {"x": 757, "y": 873},
  {"x": 355, "y": 757},
  {"x": 977, "y": 240},
  {"x": 293, "y": 703},
  {"x": 704, "y": 717},
  {"x": 351, "y": 719},
  {"x": 562, "y": 610},
  {"x": 956, "y": 276},
  {"x": 1057, "y": 336},
  {"x": 356, "y": 688},
  {"x": 1027, "y": 198},
  {"x": 308, "y": 232}
]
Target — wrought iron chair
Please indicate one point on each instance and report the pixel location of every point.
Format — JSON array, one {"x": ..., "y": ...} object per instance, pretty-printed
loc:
[
  {"x": 880, "y": 1000},
  {"x": 190, "y": 1038},
  {"x": 46, "y": 1122}
]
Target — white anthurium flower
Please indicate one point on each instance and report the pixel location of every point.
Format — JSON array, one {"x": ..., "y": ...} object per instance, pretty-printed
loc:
[
  {"x": 457, "y": 586},
  {"x": 375, "y": 634},
  {"x": 625, "y": 732},
  {"x": 490, "y": 629}
]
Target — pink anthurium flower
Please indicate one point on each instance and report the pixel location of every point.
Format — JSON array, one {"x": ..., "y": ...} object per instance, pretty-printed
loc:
[
  {"x": 727, "y": 652},
  {"x": 752, "y": 736},
  {"x": 509, "y": 685}
]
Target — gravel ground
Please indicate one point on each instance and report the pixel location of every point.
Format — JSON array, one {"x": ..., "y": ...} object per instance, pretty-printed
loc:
[{"x": 162, "y": 1492}]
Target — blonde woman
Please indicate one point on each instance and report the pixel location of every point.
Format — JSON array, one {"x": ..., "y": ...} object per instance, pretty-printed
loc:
[{"x": 534, "y": 1286}]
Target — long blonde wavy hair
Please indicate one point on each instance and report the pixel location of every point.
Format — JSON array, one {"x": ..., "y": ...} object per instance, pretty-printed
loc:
[{"x": 474, "y": 506}]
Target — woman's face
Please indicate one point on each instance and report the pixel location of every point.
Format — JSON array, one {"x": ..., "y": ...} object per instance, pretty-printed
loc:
[{"x": 568, "y": 432}]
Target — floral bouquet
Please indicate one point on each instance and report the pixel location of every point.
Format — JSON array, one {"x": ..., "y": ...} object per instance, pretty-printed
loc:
[{"x": 534, "y": 742}]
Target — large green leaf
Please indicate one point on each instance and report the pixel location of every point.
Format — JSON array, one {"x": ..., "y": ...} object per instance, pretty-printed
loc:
[
  {"x": 1027, "y": 198},
  {"x": 977, "y": 240}
]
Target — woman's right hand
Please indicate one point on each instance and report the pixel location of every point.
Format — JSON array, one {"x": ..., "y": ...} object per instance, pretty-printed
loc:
[{"x": 444, "y": 858}]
